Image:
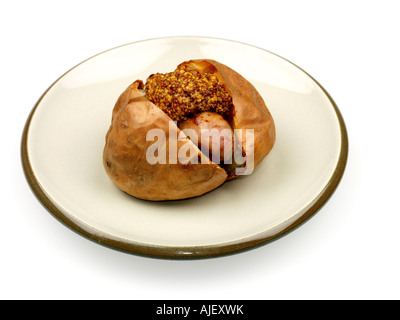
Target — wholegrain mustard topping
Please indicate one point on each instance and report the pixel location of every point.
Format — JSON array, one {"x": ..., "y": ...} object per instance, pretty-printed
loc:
[{"x": 185, "y": 92}]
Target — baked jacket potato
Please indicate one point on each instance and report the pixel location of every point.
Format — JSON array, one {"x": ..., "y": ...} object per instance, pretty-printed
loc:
[{"x": 198, "y": 94}]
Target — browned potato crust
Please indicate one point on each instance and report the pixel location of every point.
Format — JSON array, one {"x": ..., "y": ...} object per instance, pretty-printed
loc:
[
  {"x": 134, "y": 115},
  {"x": 125, "y": 155},
  {"x": 250, "y": 111}
]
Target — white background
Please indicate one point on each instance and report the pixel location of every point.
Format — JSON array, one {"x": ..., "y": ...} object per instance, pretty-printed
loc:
[{"x": 348, "y": 250}]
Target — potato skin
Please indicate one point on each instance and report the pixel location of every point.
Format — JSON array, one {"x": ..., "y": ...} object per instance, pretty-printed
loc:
[
  {"x": 250, "y": 111},
  {"x": 124, "y": 155}
]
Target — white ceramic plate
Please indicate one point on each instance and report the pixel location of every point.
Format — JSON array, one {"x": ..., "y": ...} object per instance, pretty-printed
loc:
[{"x": 64, "y": 138}]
